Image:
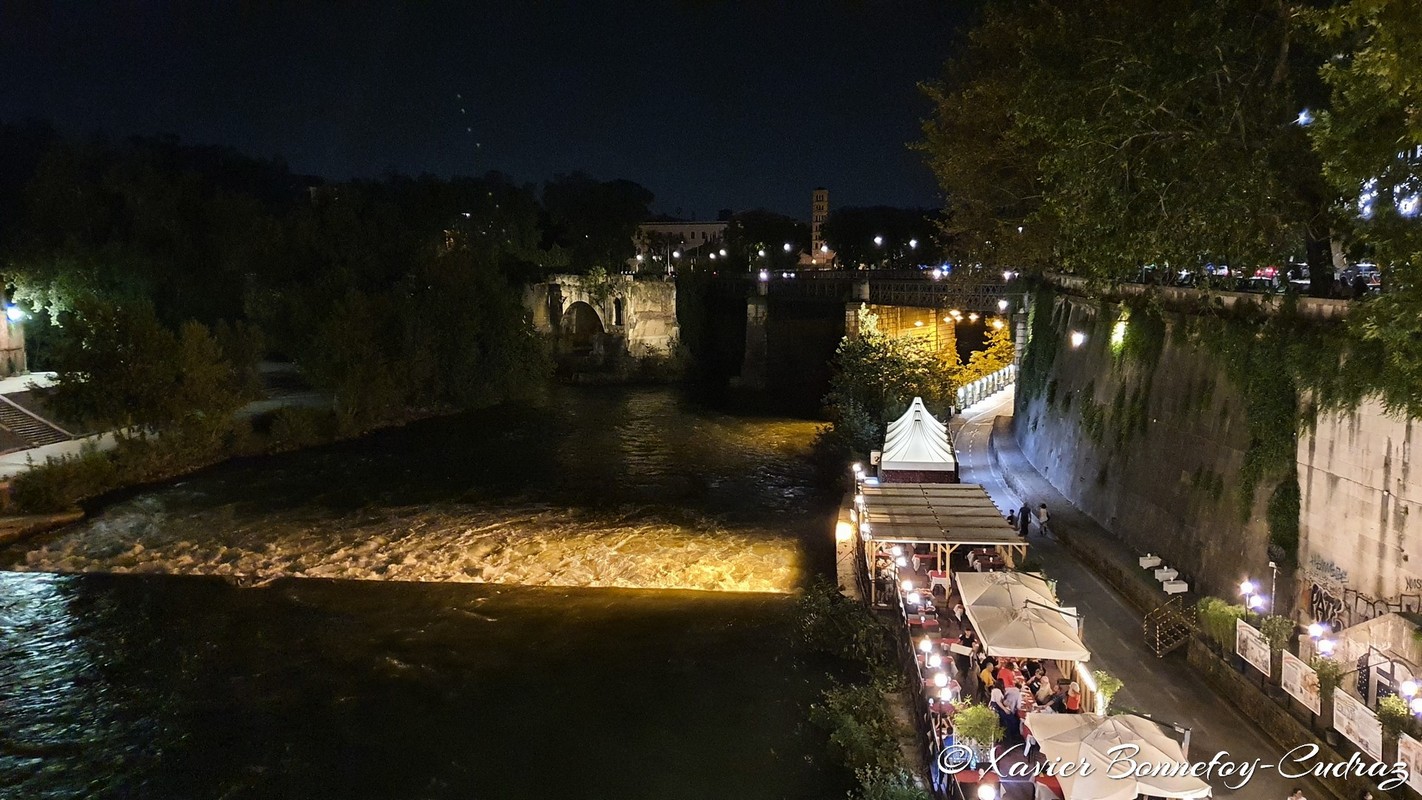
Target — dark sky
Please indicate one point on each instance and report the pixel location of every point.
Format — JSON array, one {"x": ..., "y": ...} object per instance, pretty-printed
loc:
[{"x": 709, "y": 104}]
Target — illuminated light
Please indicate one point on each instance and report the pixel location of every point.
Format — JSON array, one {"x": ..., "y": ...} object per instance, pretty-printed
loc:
[
  {"x": 843, "y": 531},
  {"x": 787, "y": 247},
  {"x": 859, "y": 498},
  {"x": 937, "y": 274},
  {"x": 973, "y": 317},
  {"x": 1325, "y": 646},
  {"x": 935, "y": 661},
  {"x": 723, "y": 253},
  {"x": 1416, "y": 705},
  {"x": 912, "y": 599},
  {"x": 1002, "y": 305},
  {"x": 898, "y": 551},
  {"x": 997, "y": 324},
  {"x": 1007, "y": 275},
  {"x": 1118, "y": 333},
  {"x": 1246, "y": 588},
  {"x": 907, "y": 585},
  {"x": 1315, "y": 630},
  {"x": 901, "y": 562},
  {"x": 947, "y": 319},
  {"x": 713, "y": 256},
  {"x": 764, "y": 275},
  {"x": 1077, "y": 338},
  {"x": 639, "y": 258},
  {"x": 1255, "y": 601},
  {"x": 14, "y": 314},
  {"x": 1408, "y": 688},
  {"x": 878, "y": 240},
  {"x": 1086, "y": 677},
  {"x": 986, "y": 791},
  {"x": 945, "y": 694},
  {"x": 955, "y": 313},
  {"x": 1305, "y": 118},
  {"x": 1410, "y": 205},
  {"x": 824, "y": 248},
  {"x": 918, "y": 323},
  {"x": 940, "y": 679},
  {"x": 760, "y": 253},
  {"x": 913, "y": 244},
  {"x": 926, "y": 645},
  {"x": 856, "y": 468}
]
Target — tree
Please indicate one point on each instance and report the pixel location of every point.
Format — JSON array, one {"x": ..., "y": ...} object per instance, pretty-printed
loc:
[
  {"x": 596, "y": 221},
  {"x": 1370, "y": 140},
  {"x": 750, "y": 232},
  {"x": 1100, "y": 137},
  {"x": 850, "y": 233},
  {"x": 877, "y": 376}
]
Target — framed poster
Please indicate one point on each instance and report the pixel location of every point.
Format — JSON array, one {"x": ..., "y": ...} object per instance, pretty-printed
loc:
[
  {"x": 1301, "y": 682},
  {"x": 1357, "y": 723},
  {"x": 1250, "y": 644},
  {"x": 1409, "y": 752}
]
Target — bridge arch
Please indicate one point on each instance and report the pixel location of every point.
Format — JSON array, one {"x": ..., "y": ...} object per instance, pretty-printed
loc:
[{"x": 581, "y": 325}]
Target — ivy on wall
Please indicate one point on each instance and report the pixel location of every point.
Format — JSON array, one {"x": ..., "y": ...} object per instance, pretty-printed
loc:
[{"x": 1285, "y": 370}]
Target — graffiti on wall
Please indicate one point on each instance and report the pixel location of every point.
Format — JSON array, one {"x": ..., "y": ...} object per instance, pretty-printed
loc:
[{"x": 1345, "y": 607}]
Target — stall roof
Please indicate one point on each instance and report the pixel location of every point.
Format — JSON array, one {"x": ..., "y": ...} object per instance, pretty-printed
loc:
[
  {"x": 916, "y": 441},
  {"x": 953, "y": 514}
]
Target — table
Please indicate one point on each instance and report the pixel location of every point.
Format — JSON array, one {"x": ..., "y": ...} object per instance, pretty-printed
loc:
[
  {"x": 925, "y": 621},
  {"x": 937, "y": 578}
]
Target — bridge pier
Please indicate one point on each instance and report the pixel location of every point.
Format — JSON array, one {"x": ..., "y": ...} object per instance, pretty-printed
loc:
[{"x": 753, "y": 365}]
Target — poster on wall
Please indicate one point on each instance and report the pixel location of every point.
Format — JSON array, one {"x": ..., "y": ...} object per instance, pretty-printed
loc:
[
  {"x": 1409, "y": 752},
  {"x": 1301, "y": 682},
  {"x": 1250, "y": 645},
  {"x": 1357, "y": 724}
]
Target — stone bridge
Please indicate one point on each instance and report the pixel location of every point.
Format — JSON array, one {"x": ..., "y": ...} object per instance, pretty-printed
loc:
[
  {"x": 605, "y": 317},
  {"x": 908, "y": 303}
]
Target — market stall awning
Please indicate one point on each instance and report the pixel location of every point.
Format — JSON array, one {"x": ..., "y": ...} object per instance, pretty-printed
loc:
[
  {"x": 916, "y": 442},
  {"x": 1073, "y": 738},
  {"x": 1016, "y": 616},
  {"x": 951, "y": 514}
]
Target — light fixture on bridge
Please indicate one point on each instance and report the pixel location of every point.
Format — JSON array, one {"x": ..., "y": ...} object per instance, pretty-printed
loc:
[
  {"x": 765, "y": 276},
  {"x": 787, "y": 247},
  {"x": 713, "y": 256},
  {"x": 1002, "y": 305},
  {"x": 760, "y": 253},
  {"x": 913, "y": 244},
  {"x": 676, "y": 254},
  {"x": 955, "y": 313},
  {"x": 973, "y": 317},
  {"x": 878, "y": 241},
  {"x": 1007, "y": 274},
  {"x": 937, "y": 273},
  {"x": 918, "y": 323},
  {"x": 997, "y": 324},
  {"x": 723, "y": 252}
]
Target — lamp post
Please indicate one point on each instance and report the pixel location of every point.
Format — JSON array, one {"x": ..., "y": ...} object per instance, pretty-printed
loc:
[
  {"x": 1273, "y": 585},
  {"x": 1252, "y": 600}
]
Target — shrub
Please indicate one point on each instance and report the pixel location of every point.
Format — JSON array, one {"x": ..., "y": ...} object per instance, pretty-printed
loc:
[
  {"x": 1217, "y": 621},
  {"x": 862, "y": 733}
]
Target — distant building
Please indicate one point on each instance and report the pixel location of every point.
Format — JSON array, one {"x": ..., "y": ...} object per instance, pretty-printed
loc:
[
  {"x": 658, "y": 239},
  {"x": 820, "y": 256}
]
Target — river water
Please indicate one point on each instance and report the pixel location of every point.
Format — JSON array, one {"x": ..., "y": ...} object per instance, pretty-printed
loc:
[{"x": 490, "y": 605}]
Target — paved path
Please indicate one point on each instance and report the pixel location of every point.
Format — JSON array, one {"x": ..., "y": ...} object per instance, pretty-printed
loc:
[{"x": 1167, "y": 689}]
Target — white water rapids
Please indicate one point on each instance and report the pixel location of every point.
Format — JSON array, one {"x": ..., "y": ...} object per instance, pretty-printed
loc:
[{"x": 530, "y": 544}]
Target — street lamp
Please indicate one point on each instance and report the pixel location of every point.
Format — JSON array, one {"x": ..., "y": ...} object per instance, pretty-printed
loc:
[
  {"x": 760, "y": 252},
  {"x": 787, "y": 247},
  {"x": 723, "y": 252},
  {"x": 1002, "y": 305},
  {"x": 1252, "y": 600},
  {"x": 913, "y": 244},
  {"x": 878, "y": 241}
]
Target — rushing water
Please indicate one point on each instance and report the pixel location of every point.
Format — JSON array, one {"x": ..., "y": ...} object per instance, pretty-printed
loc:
[
  {"x": 262, "y": 684},
  {"x": 610, "y": 488}
]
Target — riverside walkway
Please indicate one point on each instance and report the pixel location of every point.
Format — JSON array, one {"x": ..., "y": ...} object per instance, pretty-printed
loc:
[{"x": 1167, "y": 689}]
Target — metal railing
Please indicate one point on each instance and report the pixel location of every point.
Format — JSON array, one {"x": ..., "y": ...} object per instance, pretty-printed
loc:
[{"x": 986, "y": 386}]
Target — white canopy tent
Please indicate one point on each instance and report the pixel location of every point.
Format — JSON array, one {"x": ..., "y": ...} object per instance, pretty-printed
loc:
[
  {"x": 1016, "y": 616},
  {"x": 916, "y": 442},
  {"x": 1161, "y": 766}
]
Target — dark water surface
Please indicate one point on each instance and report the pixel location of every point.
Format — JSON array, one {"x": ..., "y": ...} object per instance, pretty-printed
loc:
[{"x": 255, "y": 683}]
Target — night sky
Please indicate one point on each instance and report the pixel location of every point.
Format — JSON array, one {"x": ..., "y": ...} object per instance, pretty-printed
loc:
[{"x": 709, "y": 104}]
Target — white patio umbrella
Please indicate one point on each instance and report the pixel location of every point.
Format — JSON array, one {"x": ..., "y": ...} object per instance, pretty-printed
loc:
[
  {"x": 1016, "y": 616},
  {"x": 1088, "y": 738}
]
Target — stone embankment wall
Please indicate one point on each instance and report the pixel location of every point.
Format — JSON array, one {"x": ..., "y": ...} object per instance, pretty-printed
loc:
[
  {"x": 1360, "y": 550},
  {"x": 1150, "y": 449},
  {"x": 1149, "y": 432}
]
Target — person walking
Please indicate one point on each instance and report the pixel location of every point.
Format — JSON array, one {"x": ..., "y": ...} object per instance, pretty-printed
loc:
[
  {"x": 1024, "y": 521},
  {"x": 1042, "y": 519}
]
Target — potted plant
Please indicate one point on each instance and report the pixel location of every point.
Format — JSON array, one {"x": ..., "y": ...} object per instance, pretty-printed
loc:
[
  {"x": 1330, "y": 675},
  {"x": 1107, "y": 685},
  {"x": 1395, "y": 717},
  {"x": 977, "y": 727},
  {"x": 1277, "y": 631}
]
